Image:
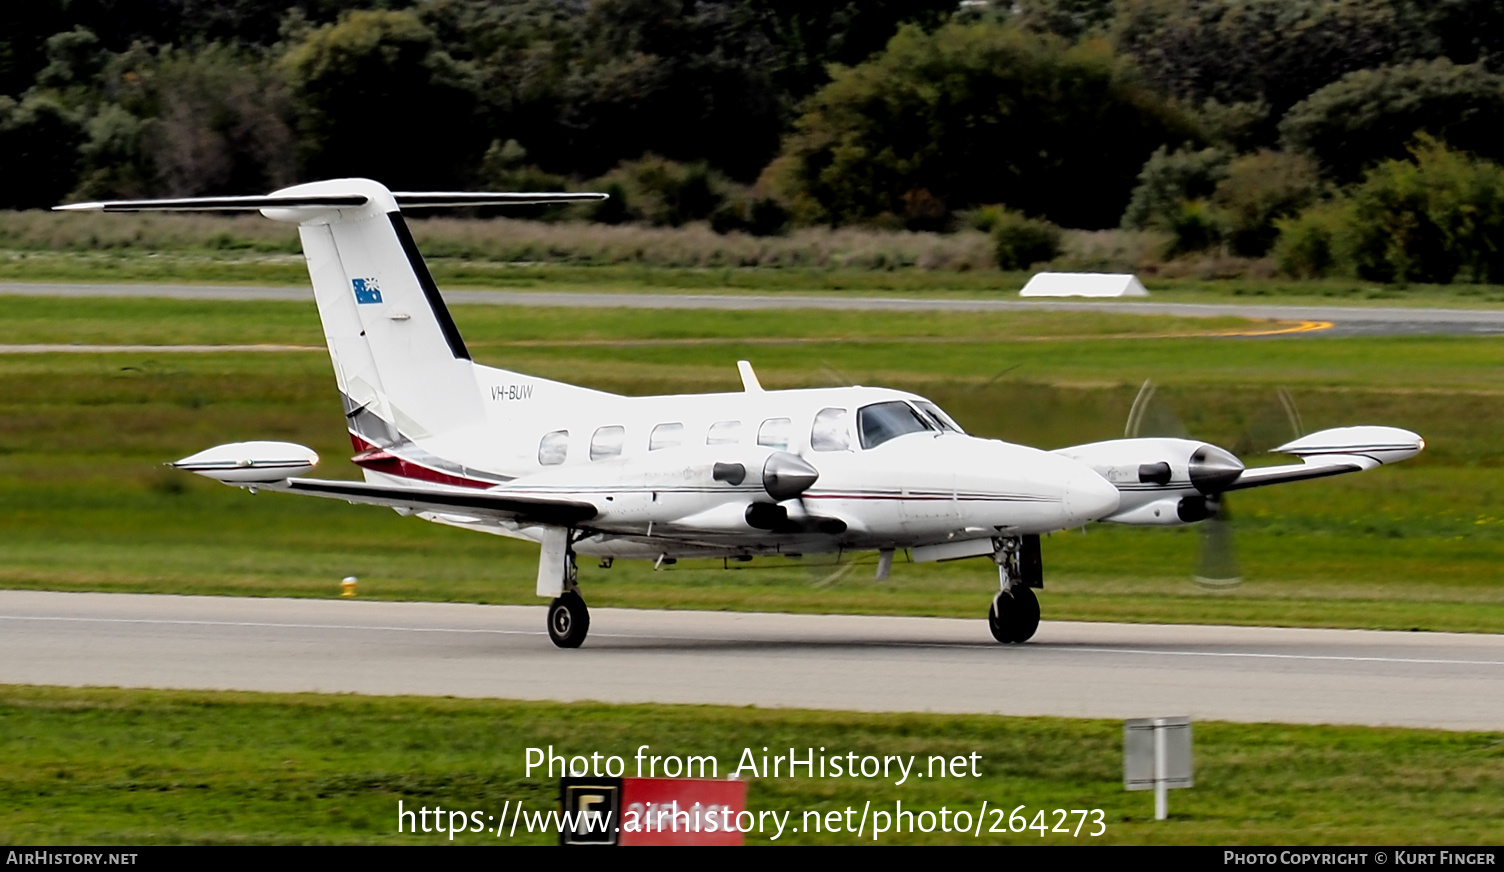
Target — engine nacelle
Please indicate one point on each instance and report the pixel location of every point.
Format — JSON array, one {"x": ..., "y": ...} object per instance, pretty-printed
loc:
[
  {"x": 1159, "y": 464},
  {"x": 1169, "y": 511}
]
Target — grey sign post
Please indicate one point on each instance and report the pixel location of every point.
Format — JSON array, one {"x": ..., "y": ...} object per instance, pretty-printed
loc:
[{"x": 1157, "y": 756}]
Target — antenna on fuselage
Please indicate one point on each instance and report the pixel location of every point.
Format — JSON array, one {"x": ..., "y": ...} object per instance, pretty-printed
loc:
[{"x": 750, "y": 384}]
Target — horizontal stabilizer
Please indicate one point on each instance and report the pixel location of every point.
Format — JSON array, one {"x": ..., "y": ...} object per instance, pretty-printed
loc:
[
  {"x": 440, "y": 199},
  {"x": 220, "y": 204},
  {"x": 489, "y": 504},
  {"x": 406, "y": 200}
]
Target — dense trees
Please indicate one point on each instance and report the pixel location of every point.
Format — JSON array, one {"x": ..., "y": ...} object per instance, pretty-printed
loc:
[
  {"x": 974, "y": 114},
  {"x": 1216, "y": 121},
  {"x": 374, "y": 91},
  {"x": 1372, "y": 115}
]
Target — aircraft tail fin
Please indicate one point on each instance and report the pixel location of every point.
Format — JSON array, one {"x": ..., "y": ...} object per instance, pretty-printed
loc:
[{"x": 401, "y": 364}]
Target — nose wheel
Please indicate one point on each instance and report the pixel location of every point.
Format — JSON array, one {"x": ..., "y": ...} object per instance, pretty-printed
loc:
[
  {"x": 568, "y": 620},
  {"x": 1014, "y": 615}
]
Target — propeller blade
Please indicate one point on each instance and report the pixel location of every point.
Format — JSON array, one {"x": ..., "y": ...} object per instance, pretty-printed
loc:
[
  {"x": 1148, "y": 418},
  {"x": 841, "y": 379},
  {"x": 1217, "y": 563}
]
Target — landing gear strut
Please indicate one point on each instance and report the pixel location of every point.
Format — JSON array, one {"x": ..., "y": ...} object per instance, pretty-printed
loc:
[
  {"x": 568, "y": 618},
  {"x": 1014, "y": 615}
]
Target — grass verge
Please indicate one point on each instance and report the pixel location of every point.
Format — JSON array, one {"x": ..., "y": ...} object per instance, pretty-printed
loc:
[
  {"x": 459, "y": 274},
  {"x": 100, "y": 766}
]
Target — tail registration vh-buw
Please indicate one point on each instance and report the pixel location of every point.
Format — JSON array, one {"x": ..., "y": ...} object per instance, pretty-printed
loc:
[{"x": 733, "y": 475}]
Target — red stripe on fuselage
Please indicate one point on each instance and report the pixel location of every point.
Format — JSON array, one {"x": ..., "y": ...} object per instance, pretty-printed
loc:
[{"x": 380, "y": 460}]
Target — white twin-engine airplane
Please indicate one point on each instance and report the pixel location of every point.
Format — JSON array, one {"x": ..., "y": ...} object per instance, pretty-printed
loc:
[{"x": 728, "y": 475}]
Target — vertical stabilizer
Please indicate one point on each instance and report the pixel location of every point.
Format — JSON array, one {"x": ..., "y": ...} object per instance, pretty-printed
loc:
[
  {"x": 398, "y": 357},
  {"x": 401, "y": 365}
]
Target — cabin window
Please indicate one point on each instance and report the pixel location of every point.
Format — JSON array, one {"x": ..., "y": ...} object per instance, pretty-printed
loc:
[
  {"x": 831, "y": 431},
  {"x": 880, "y": 422},
  {"x": 666, "y": 436},
  {"x": 724, "y": 433},
  {"x": 553, "y": 448},
  {"x": 774, "y": 433},
  {"x": 938, "y": 417},
  {"x": 607, "y": 442}
]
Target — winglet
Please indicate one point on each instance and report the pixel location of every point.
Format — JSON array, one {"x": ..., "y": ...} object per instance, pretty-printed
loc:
[{"x": 750, "y": 383}]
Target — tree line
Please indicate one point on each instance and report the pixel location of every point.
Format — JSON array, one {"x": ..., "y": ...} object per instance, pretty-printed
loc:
[{"x": 1224, "y": 123}]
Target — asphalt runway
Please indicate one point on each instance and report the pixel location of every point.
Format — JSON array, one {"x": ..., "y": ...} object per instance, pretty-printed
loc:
[
  {"x": 1251, "y": 674},
  {"x": 1344, "y": 320}
]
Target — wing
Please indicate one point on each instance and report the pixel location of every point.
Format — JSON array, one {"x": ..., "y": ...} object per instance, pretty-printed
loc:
[
  {"x": 493, "y": 505},
  {"x": 1334, "y": 452}
]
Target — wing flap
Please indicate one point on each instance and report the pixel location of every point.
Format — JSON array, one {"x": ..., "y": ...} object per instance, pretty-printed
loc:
[
  {"x": 1266, "y": 475},
  {"x": 484, "y": 504}
]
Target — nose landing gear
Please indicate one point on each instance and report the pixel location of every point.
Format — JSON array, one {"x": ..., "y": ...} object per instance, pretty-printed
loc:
[{"x": 1014, "y": 616}]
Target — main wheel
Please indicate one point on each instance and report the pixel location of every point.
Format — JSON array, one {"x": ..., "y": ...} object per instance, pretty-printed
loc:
[
  {"x": 1014, "y": 615},
  {"x": 568, "y": 620}
]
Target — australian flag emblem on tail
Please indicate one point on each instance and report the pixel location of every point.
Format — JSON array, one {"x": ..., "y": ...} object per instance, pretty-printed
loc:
[{"x": 366, "y": 290}]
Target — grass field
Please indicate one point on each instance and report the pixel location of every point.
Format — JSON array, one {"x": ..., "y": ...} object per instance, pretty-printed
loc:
[
  {"x": 86, "y": 504},
  {"x": 153, "y": 767},
  {"x": 458, "y": 274}
]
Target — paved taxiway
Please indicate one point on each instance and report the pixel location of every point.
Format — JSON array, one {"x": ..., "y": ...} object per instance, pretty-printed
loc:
[
  {"x": 1345, "y": 320},
  {"x": 1451, "y": 681}
]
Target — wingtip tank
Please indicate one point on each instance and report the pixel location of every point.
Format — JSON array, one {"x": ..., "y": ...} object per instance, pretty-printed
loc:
[{"x": 250, "y": 462}]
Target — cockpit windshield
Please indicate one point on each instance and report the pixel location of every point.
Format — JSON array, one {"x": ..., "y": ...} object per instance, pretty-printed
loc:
[
  {"x": 880, "y": 422},
  {"x": 938, "y": 416}
]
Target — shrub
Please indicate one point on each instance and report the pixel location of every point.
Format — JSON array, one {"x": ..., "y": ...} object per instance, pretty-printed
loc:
[
  {"x": 1167, "y": 180},
  {"x": 1258, "y": 189},
  {"x": 1307, "y": 244},
  {"x": 1435, "y": 218},
  {"x": 1431, "y": 219},
  {"x": 759, "y": 216},
  {"x": 1020, "y": 241},
  {"x": 983, "y": 218},
  {"x": 1194, "y": 227},
  {"x": 664, "y": 192}
]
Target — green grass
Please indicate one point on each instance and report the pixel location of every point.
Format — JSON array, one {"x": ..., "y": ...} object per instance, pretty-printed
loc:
[
  {"x": 86, "y": 505},
  {"x": 499, "y": 329},
  {"x": 156, "y": 767},
  {"x": 459, "y": 274}
]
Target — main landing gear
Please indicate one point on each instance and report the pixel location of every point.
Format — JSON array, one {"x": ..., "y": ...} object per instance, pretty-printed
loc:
[
  {"x": 1014, "y": 615},
  {"x": 568, "y": 618}
]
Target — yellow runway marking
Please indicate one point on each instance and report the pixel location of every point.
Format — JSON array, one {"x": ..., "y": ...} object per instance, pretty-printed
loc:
[
  {"x": 1275, "y": 328},
  {"x": 1285, "y": 327}
]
